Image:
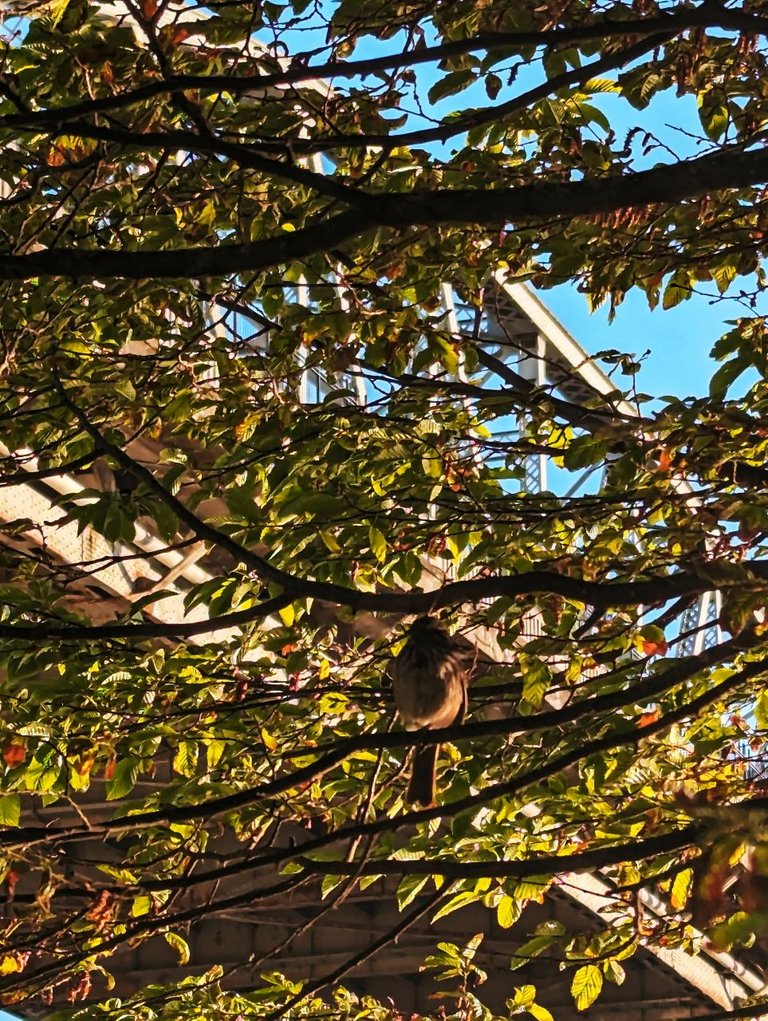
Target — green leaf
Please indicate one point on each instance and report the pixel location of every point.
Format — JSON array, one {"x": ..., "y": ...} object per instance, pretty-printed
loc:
[
  {"x": 593, "y": 113},
  {"x": 726, "y": 375},
  {"x": 532, "y": 948},
  {"x": 492, "y": 85},
  {"x": 614, "y": 972},
  {"x": 126, "y": 388},
  {"x": 537, "y": 679},
  {"x": 459, "y": 900},
  {"x": 123, "y": 780},
  {"x": 584, "y": 451},
  {"x": 713, "y": 114},
  {"x": 314, "y": 505},
  {"x": 409, "y": 888},
  {"x": 378, "y": 544},
  {"x": 10, "y": 809},
  {"x": 678, "y": 289},
  {"x": 452, "y": 83}
]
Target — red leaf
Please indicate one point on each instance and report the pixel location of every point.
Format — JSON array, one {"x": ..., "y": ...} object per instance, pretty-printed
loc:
[
  {"x": 81, "y": 990},
  {"x": 11, "y": 879},
  {"x": 648, "y": 718},
  {"x": 14, "y": 752},
  {"x": 655, "y": 648},
  {"x": 101, "y": 911}
]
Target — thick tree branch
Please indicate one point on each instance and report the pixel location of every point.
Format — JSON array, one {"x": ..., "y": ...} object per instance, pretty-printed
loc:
[
  {"x": 551, "y": 864},
  {"x": 601, "y": 595},
  {"x": 446, "y": 129},
  {"x": 754, "y": 1010},
  {"x": 523, "y": 206},
  {"x": 25, "y": 477}
]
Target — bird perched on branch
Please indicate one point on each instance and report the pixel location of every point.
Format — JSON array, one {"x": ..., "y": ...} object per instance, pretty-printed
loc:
[{"x": 430, "y": 678}]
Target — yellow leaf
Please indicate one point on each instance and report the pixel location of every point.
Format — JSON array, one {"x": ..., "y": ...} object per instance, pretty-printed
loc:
[
  {"x": 179, "y": 945},
  {"x": 378, "y": 544},
  {"x": 507, "y": 912},
  {"x": 9, "y": 964},
  {"x": 586, "y": 985},
  {"x": 681, "y": 887},
  {"x": 142, "y": 905},
  {"x": 287, "y": 615},
  {"x": 57, "y": 10}
]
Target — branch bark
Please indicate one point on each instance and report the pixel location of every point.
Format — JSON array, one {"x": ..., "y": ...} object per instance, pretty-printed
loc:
[
  {"x": 522, "y": 206},
  {"x": 29, "y": 836},
  {"x": 391, "y": 935},
  {"x": 552, "y": 864},
  {"x": 668, "y": 22}
]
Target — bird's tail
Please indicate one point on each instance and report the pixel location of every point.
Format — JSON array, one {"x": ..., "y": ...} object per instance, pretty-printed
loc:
[{"x": 421, "y": 789}]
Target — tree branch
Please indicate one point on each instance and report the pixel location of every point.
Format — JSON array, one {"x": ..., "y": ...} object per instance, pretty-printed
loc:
[
  {"x": 553, "y": 864},
  {"x": 142, "y": 927},
  {"x": 401, "y": 926},
  {"x": 522, "y": 206},
  {"x": 27, "y": 836},
  {"x": 667, "y": 23},
  {"x": 753, "y": 1010},
  {"x": 146, "y": 629},
  {"x": 240, "y": 153}
]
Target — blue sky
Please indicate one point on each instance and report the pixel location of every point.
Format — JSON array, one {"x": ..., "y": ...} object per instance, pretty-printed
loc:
[{"x": 679, "y": 339}]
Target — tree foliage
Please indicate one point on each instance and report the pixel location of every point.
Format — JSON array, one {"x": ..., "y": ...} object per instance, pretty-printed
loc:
[{"x": 207, "y": 211}]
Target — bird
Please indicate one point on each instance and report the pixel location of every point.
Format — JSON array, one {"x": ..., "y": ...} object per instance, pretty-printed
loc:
[{"x": 429, "y": 677}]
